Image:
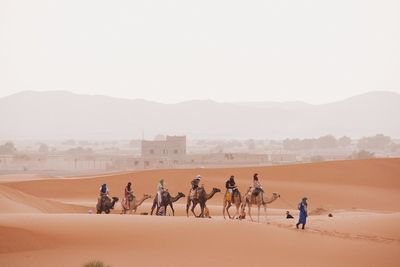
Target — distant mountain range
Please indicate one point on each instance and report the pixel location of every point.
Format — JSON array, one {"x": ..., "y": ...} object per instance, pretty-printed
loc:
[{"x": 61, "y": 114}]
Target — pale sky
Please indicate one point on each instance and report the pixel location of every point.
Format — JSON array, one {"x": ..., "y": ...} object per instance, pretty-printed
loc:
[{"x": 171, "y": 51}]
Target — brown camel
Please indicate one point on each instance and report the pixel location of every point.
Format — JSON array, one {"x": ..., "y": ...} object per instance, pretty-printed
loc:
[
  {"x": 105, "y": 204},
  {"x": 133, "y": 203},
  {"x": 227, "y": 203},
  {"x": 166, "y": 199},
  {"x": 201, "y": 199},
  {"x": 258, "y": 200}
]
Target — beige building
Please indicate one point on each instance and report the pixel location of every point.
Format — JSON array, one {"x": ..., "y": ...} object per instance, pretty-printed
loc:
[{"x": 173, "y": 147}]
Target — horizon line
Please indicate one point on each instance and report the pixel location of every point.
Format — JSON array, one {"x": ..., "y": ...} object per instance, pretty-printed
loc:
[{"x": 199, "y": 99}]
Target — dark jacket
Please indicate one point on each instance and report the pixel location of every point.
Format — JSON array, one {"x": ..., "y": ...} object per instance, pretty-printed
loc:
[{"x": 230, "y": 184}]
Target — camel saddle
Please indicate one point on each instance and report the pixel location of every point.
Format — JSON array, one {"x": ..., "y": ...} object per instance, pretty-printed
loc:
[
  {"x": 104, "y": 198},
  {"x": 257, "y": 191},
  {"x": 194, "y": 193},
  {"x": 131, "y": 197}
]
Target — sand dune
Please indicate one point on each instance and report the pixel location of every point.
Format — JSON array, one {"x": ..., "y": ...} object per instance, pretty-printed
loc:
[
  {"x": 168, "y": 241},
  {"x": 14, "y": 201},
  {"x": 362, "y": 195},
  {"x": 365, "y": 184}
]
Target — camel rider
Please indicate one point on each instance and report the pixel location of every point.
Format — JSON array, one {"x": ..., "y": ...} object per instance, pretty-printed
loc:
[
  {"x": 230, "y": 187},
  {"x": 128, "y": 193},
  {"x": 104, "y": 193},
  {"x": 160, "y": 190},
  {"x": 104, "y": 190},
  {"x": 195, "y": 184},
  {"x": 256, "y": 188}
]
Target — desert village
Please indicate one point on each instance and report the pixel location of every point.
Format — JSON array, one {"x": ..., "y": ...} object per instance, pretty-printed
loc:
[{"x": 179, "y": 152}]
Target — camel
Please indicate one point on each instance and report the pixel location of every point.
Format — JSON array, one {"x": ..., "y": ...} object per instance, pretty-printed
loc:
[
  {"x": 201, "y": 199},
  {"x": 105, "y": 204},
  {"x": 133, "y": 203},
  {"x": 166, "y": 200},
  {"x": 258, "y": 200},
  {"x": 237, "y": 200}
]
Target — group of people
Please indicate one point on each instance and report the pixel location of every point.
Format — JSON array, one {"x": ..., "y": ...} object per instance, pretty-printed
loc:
[{"x": 230, "y": 186}]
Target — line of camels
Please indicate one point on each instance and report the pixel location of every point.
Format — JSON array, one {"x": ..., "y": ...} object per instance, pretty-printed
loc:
[{"x": 201, "y": 198}]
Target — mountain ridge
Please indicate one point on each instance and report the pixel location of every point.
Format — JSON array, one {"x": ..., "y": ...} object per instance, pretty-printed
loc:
[{"x": 63, "y": 114}]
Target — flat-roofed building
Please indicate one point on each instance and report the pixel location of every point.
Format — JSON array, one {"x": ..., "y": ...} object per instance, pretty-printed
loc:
[{"x": 173, "y": 147}]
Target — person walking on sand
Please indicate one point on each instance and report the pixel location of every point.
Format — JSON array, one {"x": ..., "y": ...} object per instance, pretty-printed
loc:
[{"x": 303, "y": 213}]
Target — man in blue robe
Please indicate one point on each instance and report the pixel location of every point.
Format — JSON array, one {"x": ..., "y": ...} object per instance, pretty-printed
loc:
[{"x": 303, "y": 213}]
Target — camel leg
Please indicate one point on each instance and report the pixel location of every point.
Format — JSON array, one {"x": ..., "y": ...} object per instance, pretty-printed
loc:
[
  {"x": 188, "y": 206},
  {"x": 202, "y": 205},
  {"x": 172, "y": 208},
  {"x": 153, "y": 207},
  {"x": 223, "y": 208},
  {"x": 192, "y": 209},
  {"x": 227, "y": 210},
  {"x": 251, "y": 218},
  {"x": 258, "y": 219},
  {"x": 165, "y": 210},
  {"x": 157, "y": 210},
  {"x": 237, "y": 211},
  {"x": 265, "y": 211}
]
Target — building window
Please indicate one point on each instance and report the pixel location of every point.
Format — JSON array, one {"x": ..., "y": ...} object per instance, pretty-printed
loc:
[
  {"x": 151, "y": 151},
  {"x": 165, "y": 151},
  {"x": 175, "y": 151}
]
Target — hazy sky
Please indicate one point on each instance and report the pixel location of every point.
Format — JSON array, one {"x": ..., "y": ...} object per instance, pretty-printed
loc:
[{"x": 169, "y": 51}]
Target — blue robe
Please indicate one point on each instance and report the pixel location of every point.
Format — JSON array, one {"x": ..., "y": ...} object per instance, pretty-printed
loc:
[{"x": 303, "y": 213}]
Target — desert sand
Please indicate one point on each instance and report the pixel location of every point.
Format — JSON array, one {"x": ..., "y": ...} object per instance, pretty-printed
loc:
[{"x": 47, "y": 221}]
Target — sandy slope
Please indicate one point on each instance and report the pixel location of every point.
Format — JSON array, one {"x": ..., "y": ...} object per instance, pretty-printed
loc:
[
  {"x": 366, "y": 184},
  {"x": 70, "y": 240},
  {"x": 362, "y": 195},
  {"x": 14, "y": 201}
]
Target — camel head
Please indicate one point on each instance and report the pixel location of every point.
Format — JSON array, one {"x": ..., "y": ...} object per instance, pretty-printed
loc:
[
  {"x": 180, "y": 194},
  {"x": 216, "y": 190},
  {"x": 146, "y": 196},
  {"x": 115, "y": 199},
  {"x": 276, "y": 195}
]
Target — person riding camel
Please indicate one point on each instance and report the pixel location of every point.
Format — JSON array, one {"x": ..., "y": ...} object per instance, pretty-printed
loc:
[
  {"x": 230, "y": 187},
  {"x": 160, "y": 190},
  {"x": 195, "y": 185},
  {"x": 104, "y": 190},
  {"x": 103, "y": 194},
  {"x": 128, "y": 194},
  {"x": 256, "y": 188}
]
